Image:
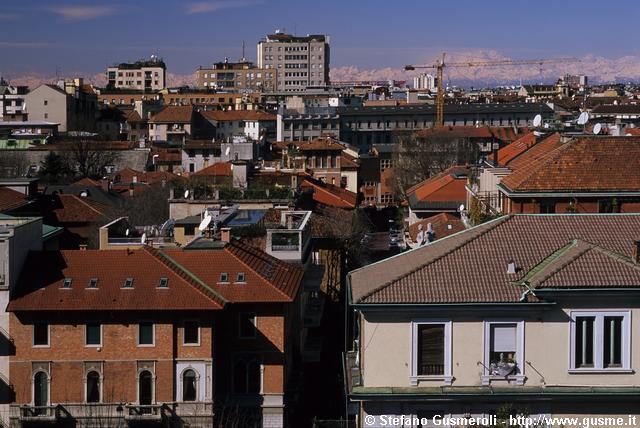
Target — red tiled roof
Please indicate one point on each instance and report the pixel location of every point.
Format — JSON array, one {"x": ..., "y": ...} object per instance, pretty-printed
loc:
[
  {"x": 519, "y": 146},
  {"x": 86, "y": 181},
  {"x": 587, "y": 164},
  {"x": 501, "y": 133},
  {"x": 76, "y": 209},
  {"x": 11, "y": 199},
  {"x": 329, "y": 194},
  {"x": 632, "y": 132},
  {"x": 171, "y": 114},
  {"x": 233, "y": 115},
  {"x": 447, "y": 186},
  {"x": 149, "y": 177},
  {"x": 535, "y": 152},
  {"x": 348, "y": 161},
  {"x": 443, "y": 224},
  {"x": 317, "y": 144},
  {"x": 220, "y": 169},
  {"x": 471, "y": 266},
  {"x": 132, "y": 116}
]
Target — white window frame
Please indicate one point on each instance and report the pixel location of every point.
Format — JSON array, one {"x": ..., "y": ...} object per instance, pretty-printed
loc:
[
  {"x": 33, "y": 385},
  {"x": 184, "y": 324},
  {"x": 33, "y": 336},
  {"x": 99, "y": 370},
  {"x": 598, "y": 342},
  {"x": 153, "y": 335},
  {"x": 447, "y": 377},
  {"x": 520, "y": 377},
  {"x": 86, "y": 345}
]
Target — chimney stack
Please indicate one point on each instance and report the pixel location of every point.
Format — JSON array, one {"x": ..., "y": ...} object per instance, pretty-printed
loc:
[{"x": 225, "y": 234}]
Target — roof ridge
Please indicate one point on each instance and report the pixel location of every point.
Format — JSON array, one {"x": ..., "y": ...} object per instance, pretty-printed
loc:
[
  {"x": 537, "y": 143},
  {"x": 533, "y": 167},
  {"x": 446, "y": 253},
  {"x": 257, "y": 253},
  {"x": 185, "y": 274},
  {"x": 85, "y": 202}
]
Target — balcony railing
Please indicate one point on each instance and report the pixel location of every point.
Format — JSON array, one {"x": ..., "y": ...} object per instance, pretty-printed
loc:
[
  {"x": 149, "y": 412},
  {"x": 431, "y": 370},
  {"x": 285, "y": 247}
]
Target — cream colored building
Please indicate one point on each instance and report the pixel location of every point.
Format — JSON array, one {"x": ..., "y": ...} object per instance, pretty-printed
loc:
[{"x": 536, "y": 312}]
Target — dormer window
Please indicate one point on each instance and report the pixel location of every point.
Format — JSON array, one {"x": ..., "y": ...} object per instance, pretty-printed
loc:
[
  {"x": 93, "y": 283},
  {"x": 224, "y": 277},
  {"x": 240, "y": 277},
  {"x": 164, "y": 283},
  {"x": 66, "y": 283},
  {"x": 128, "y": 283}
]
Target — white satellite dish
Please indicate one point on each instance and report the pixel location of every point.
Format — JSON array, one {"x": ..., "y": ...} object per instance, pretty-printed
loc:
[
  {"x": 143, "y": 240},
  {"x": 420, "y": 238},
  {"x": 597, "y": 128},
  {"x": 126, "y": 233},
  {"x": 461, "y": 208},
  {"x": 186, "y": 193},
  {"x": 227, "y": 151},
  {"x": 537, "y": 120},
  {"x": 547, "y": 126},
  {"x": 204, "y": 223},
  {"x": 583, "y": 118}
]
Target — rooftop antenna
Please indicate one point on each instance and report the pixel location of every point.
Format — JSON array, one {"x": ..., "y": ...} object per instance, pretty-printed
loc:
[{"x": 243, "y": 58}]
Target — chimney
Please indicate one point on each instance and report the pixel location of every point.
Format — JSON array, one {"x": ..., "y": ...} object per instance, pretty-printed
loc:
[
  {"x": 83, "y": 247},
  {"x": 225, "y": 234},
  {"x": 636, "y": 252},
  {"x": 511, "y": 267}
]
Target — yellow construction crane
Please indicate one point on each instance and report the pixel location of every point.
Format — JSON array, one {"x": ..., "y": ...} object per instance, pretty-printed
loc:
[{"x": 440, "y": 65}]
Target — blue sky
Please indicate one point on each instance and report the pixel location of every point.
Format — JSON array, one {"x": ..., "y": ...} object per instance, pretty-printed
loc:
[{"x": 74, "y": 36}]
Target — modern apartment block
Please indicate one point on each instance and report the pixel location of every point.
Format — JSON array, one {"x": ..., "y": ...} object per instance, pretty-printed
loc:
[
  {"x": 12, "y": 101},
  {"x": 299, "y": 61},
  {"x": 236, "y": 76},
  {"x": 143, "y": 75}
]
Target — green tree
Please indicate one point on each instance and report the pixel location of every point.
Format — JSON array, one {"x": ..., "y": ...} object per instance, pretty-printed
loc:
[{"x": 54, "y": 169}]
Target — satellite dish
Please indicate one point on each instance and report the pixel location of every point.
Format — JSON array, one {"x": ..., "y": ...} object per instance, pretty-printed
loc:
[
  {"x": 204, "y": 223},
  {"x": 420, "y": 238},
  {"x": 186, "y": 193},
  {"x": 583, "y": 118},
  {"x": 227, "y": 151},
  {"x": 537, "y": 120},
  {"x": 546, "y": 126},
  {"x": 126, "y": 232},
  {"x": 143, "y": 240},
  {"x": 597, "y": 128},
  {"x": 461, "y": 208}
]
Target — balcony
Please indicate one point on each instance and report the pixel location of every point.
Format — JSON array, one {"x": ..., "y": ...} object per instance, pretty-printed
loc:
[
  {"x": 41, "y": 414},
  {"x": 143, "y": 413}
]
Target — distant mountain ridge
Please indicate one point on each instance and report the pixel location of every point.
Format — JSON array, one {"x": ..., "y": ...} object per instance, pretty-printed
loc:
[{"x": 598, "y": 68}]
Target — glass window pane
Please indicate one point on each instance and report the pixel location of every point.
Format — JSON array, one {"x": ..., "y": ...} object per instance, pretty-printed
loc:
[
  {"x": 584, "y": 342},
  {"x": 612, "y": 342},
  {"x": 41, "y": 334},
  {"x": 430, "y": 349},
  {"x": 93, "y": 387},
  {"x": 189, "y": 385},
  {"x": 191, "y": 332},
  {"x": 145, "y": 333},
  {"x": 93, "y": 334}
]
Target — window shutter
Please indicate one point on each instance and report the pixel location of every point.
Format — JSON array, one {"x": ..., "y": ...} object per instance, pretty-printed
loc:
[{"x": 504, "y": 338}]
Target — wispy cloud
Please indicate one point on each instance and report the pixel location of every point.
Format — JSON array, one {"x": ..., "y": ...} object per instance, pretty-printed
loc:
[
  {"x": 25, "y": 44},
  {"x": 9, "y": 17},
  {"x": 215, "y": 5},
  {"x": 81, "y": 13}
]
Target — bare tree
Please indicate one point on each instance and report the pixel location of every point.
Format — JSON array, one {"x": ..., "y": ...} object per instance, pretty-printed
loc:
[
  {"x": 13, "y": 164},
  {"x": 418, "y": 156},
  {"x": 88, "y": 158}
]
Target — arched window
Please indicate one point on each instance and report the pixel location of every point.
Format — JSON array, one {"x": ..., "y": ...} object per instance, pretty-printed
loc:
[
  {"x": 189, "y": 385},
  {"x": 145, "y": 385},
  {"x": 93, "y": 387},
  {"x": 40, "y": 389}
]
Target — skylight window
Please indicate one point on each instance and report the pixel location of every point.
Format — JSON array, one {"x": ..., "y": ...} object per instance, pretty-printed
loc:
[
  {"x": 240, "y": 277},
  {"x": 224, "y": 277},
  {"x": 93, "y": 283},
  {"x": 128, "y": 283},
  {"x": 66, "y": 283},
  {"x": 164, "y": 282}
]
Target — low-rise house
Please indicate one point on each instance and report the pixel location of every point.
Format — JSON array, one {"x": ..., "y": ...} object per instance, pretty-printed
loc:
[
  {"x": 253, "y": 124},
  {"x": 435, "y": 227},
  {"x": 595, "y": 174},
  {"x": 12, "y": 105},
  {"x": 444, "y": 192},
  {"x": 199, "y": 337},
  {"x": 539, "y": 313},
  {"x": 329, "y": 194},
  {"x": 322, "y": 156}
]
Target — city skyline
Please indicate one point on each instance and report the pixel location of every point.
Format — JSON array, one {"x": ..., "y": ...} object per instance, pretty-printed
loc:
[{"x": 63, "y": 37}]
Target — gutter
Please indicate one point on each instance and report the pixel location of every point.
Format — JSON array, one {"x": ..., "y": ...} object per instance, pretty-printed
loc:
[
  {"x": 564, "y": 194},
  {"x": 480, "y": 305}
]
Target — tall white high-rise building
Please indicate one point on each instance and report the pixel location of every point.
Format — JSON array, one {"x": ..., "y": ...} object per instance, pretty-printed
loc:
[
  {"x": 299, "y": 61},
  {"x": 424, "y": 81}
]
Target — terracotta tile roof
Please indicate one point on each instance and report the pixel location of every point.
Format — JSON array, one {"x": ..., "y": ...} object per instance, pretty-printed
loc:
[
  {"x": 149, "y": 177},
  {"x": 632, "y": 131},
  {"x": 132, "y": 116},
  {"x": 443, "y": 225},
  {"x": 446, "y": 189},
  {"x": 538, "y": 150},
  {"x": 171, "y": 114},
  {"x": 329, "y": 194},
  {"x": 517, "y": 147},
  {"x": 220, "y": 169},
  {"x": 348, "y": 162},
  {"x": 587, "y": 164},
  {"x": 472, "y": 266},
  {"x": 69, "y": 208},
  {"x": 11, "y": 199},
  {"x": 617, "y": 109},
  {"x": 40, "y": 286},
  {"x": 234, "y": 115},
  {"x": 86, "y": 181},
  {"x": 317, "y": 144}
]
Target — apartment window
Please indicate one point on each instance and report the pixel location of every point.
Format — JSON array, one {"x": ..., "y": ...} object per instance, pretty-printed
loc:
[
  {"x": 191, "y": 333},
  {"x": 93, "y": 387},
  {"x": 46, "y": 102},
  {"x": 247, "y": 325},
  {"x": 93, "y": 334},
  {"x": 503, "y": 350},
  {"x": 431, "y": 350},
  {"x": 93, "y": 283},
  {"x": 146, "y": 334},
  {"x": 41, "y": 389},
  {"x": 240, "y": 277},
  {"x": 224, "y": 277},
  {"x": 67, "y": 283},
  {"x": 247, "y": 375},
  {"x": 164, "y": 283},
  {"x": 46, "y": 115},
  {"x": 600, "y": 340},
  {"x": 128, "y": 283},
  {"x": 41, "y": 334},
  {"x": 189, "y": 385}
]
